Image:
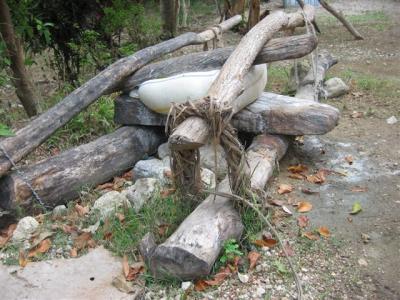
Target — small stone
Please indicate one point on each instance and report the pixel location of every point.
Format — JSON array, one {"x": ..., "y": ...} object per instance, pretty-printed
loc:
[
  {"x": 260, "y": 292},
  {"x": 244, "y": 278},
  {"x": 151, "y": 168},
  {"x": 141, "y": 192},
  {"x": 362, "y": 262},
  {"x": 392, "y": 120},
  {"x": 25, "y": 229},
  {"x": 335, "y": 87},
  {"x": 59, "y": 211},
  {"x": 163, "y": 151},
  {"x": 186, "y": 285},
  {"x": 109, "y": 202},
  {"x": 208, "y": 178}
]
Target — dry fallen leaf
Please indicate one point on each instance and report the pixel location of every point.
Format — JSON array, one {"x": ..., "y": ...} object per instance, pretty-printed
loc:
[
  {"x": 253, "y": 257},
  {"x": 134, "y": 271},
  {"x": 265, "y": 242},
  {"x": 73, "y": 252},
  {"x": 297, "y": 176},
  {"x": 302, "y": 221},
  {"x": 83, "y": 241},
  {"x": 359, "y": 189},
  {"x": 219, "y": 277},
  {"x": 276, "y": 202},
  {"x": 304, "y": 206},
  {"x": 310, "y": 235},
  {"x": 319, "y": 177},
  {"x": 81, "y": 210},
  {"x": 125, "y": 265},
  {"x": 43, "y": 247},
  {"x": 298, "y": 168},
  {"x": 200, "y": 285},
  {"x": 356, "y": 114},
  {"x": 105, "y": 186},
  {"x": 166, "y": 192},
  {"x": 308, "y": 191},
  {"x": 22, "y": 259},
  {"x": 324, "y": 231},
  {"x": 120, "y": 217},
  {"x": 128, "y": 175},
  {"x": 6, "y": 234},
  {"x": 349, "y": 159},
  {"x": 69, "y": 228},
  {"x": 285, "y": 188},
  {"x": 162, "y": 229}
]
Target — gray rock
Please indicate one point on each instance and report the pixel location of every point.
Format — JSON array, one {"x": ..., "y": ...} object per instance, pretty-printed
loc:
[
  {"x": 302, "y": 69},
  {"x": 208, "y": 178},
  {"x": 163, "y": 151},
  {"x": 59, "y": 211},
  {"x": 335, "y": 87},
  {"x": 151, "y": 168},
  {"x": 25, "y": 229},
  {"x": 141, "y": 192},
  {"x": 109, "y": 202},
  {"x": 186, "y": 285},
  {"x": 207, "y": 155},
  {"x": 392, "y": 120}
]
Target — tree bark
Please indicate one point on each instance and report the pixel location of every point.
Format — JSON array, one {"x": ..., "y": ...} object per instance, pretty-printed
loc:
[
  {"x": 190, "y": 252},
  {"x": 185, "y": 5},
  {"x": 234, "y": 7},
  {"x": 168, "y": 11},
  {"x": 254, "y": 14},
  {"x": 20, "y": 79},
  {"x": 37, "y": 131},
  {"x": 270, "y": 113},
  {"x": 342, "y": 19},
  {"x": 275, "y": 50},
  {"x": 60, "y": 178}
]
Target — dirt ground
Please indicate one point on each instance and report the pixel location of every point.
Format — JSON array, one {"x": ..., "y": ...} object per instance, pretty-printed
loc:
[{"x": 361, "y": 258}]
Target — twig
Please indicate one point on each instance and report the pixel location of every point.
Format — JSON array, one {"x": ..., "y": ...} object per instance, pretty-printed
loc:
[{"x": 252, "y": 206}]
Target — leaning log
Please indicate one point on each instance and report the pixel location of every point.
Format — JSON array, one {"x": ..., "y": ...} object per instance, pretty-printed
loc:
[
  {"x": 270, "y": 113},
  {"x": 38, "y": 130},
  {"x": 275, "y": 50},
  {"x": 310, "y": 87},
  {"x": 60, "y": 178},
  {"x": 190, "y": 252}
]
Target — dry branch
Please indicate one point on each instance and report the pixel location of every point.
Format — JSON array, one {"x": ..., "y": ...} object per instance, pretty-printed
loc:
[{"x": 37, "y": 131}]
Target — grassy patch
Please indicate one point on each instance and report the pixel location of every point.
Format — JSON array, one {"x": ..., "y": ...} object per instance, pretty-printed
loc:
[{"x": 278, "y": 78}]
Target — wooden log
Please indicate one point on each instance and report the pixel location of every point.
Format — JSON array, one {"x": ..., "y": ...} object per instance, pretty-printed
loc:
[
  {"x": 194, "y": 132},
  {"x": 271, "y": 113},
  {"x": 342, "y": 19},
  {"x": 38, "y": 130},
  {"x": 296, "y": 19},
  {"x": 60, "y": 178},
  {"x": 306, "y": 88},
  {"x": 190, "y": 252},
  {"x": 275, "y": 50}
]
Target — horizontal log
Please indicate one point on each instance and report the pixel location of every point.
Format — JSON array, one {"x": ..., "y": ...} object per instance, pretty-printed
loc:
[
  {"x": 42, "y": 127},
  {"x": 190, "y": 252},
  {"x": 275, "y": 50},
  {"x": 60, "y": 178},
  {"x": 271, "y": 113}
]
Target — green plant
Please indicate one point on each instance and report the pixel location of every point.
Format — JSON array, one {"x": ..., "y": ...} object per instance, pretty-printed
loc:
[
  {"x": 5, "y": 131},
  {"x": 230, "y": 251}
]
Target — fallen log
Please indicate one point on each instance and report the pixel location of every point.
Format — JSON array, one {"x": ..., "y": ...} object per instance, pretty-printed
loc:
[
  {"x": 271, "y": 113},
  {"x": 190, "y": 252},
  {"x": 38, "y": 130},
  {"x": 306, "y": 88},
  {"x": 275, "y": 50},
  {"x": 342, "y": 19},
  {"x": 60, "y": 178}
]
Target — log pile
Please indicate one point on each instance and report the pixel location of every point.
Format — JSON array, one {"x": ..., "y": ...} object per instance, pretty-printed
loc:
[{"x": 191, "y": 251}]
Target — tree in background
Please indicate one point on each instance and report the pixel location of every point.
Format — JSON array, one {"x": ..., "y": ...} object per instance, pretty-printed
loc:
[
  {"x": 169, "y": 10},
  {"x": 254, "y": 13},
  {"x": 14, "y": 51}
]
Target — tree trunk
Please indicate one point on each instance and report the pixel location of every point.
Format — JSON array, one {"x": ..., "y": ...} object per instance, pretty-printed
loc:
[
  {"x": 254, "y": 14},
  {"x": 20, "y": 78},
  {"x": 37, "y": 131},
  {"x": 60, "y": 178},
  {"x": 190, "y": 252},
  {"x": 270, "y": 113},
  {"x": 168, "y": 11},
  {"x": 342, "y": 19},
  {"x": 185, "y": 5},
  {"x": 233, "y": 8}
]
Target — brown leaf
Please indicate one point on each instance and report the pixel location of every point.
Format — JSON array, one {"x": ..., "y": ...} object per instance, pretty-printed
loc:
[
  {"x": 43, "y": 247},
  {"x": 166, "y": 192},
  {"x": 324, "y": 231},
  {"x": 285, "y": 188},
  {"x": 22, "y": 259},
  {"x": 253, "y": 257},
  {"x": 200, "y": 285},
  {"x": 302, "y": 221},
  {"x": 118, "y": 183},
  {"x": 289, "y": 250},
  {"x": 134, "y": 271},
  {"x": 108, "y": 235},
  {"x": 219, "y": 277},
  {"x": 69, "y": 228},
  {"x": 162, "y": 229},
  {"x": 310, "y": 235},
  {"x": 73, "y": 252},
  {"x": 308, "y": 191},
  {"x": 359, "y": 189},
  {"x": 6, "y": 234},
  {"x": 304, "y": 206},
  {"x": 125, "y": 265},
  {"x": 349, "y": 159},
  {"x": 319, "y": 177},
  {"x": 297, "y": 176},
  {"x": 128, "y": 175},
  {"x": 298, "y": 168},
  {"x": 81, "y": 210},
  {"x": 356, "y": 114},
  {"x": 82, "y": 241},
  {"x": 276, "y": 202},
  {"x": 40, "y": 218},
  {"x": 167, "y": 174},
  {"x": 265, "y": 242}
]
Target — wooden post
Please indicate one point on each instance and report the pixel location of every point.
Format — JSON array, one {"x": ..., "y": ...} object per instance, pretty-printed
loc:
[
  {"x": 190, "y": 252},
  {"x": 37, "y": 131}
]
